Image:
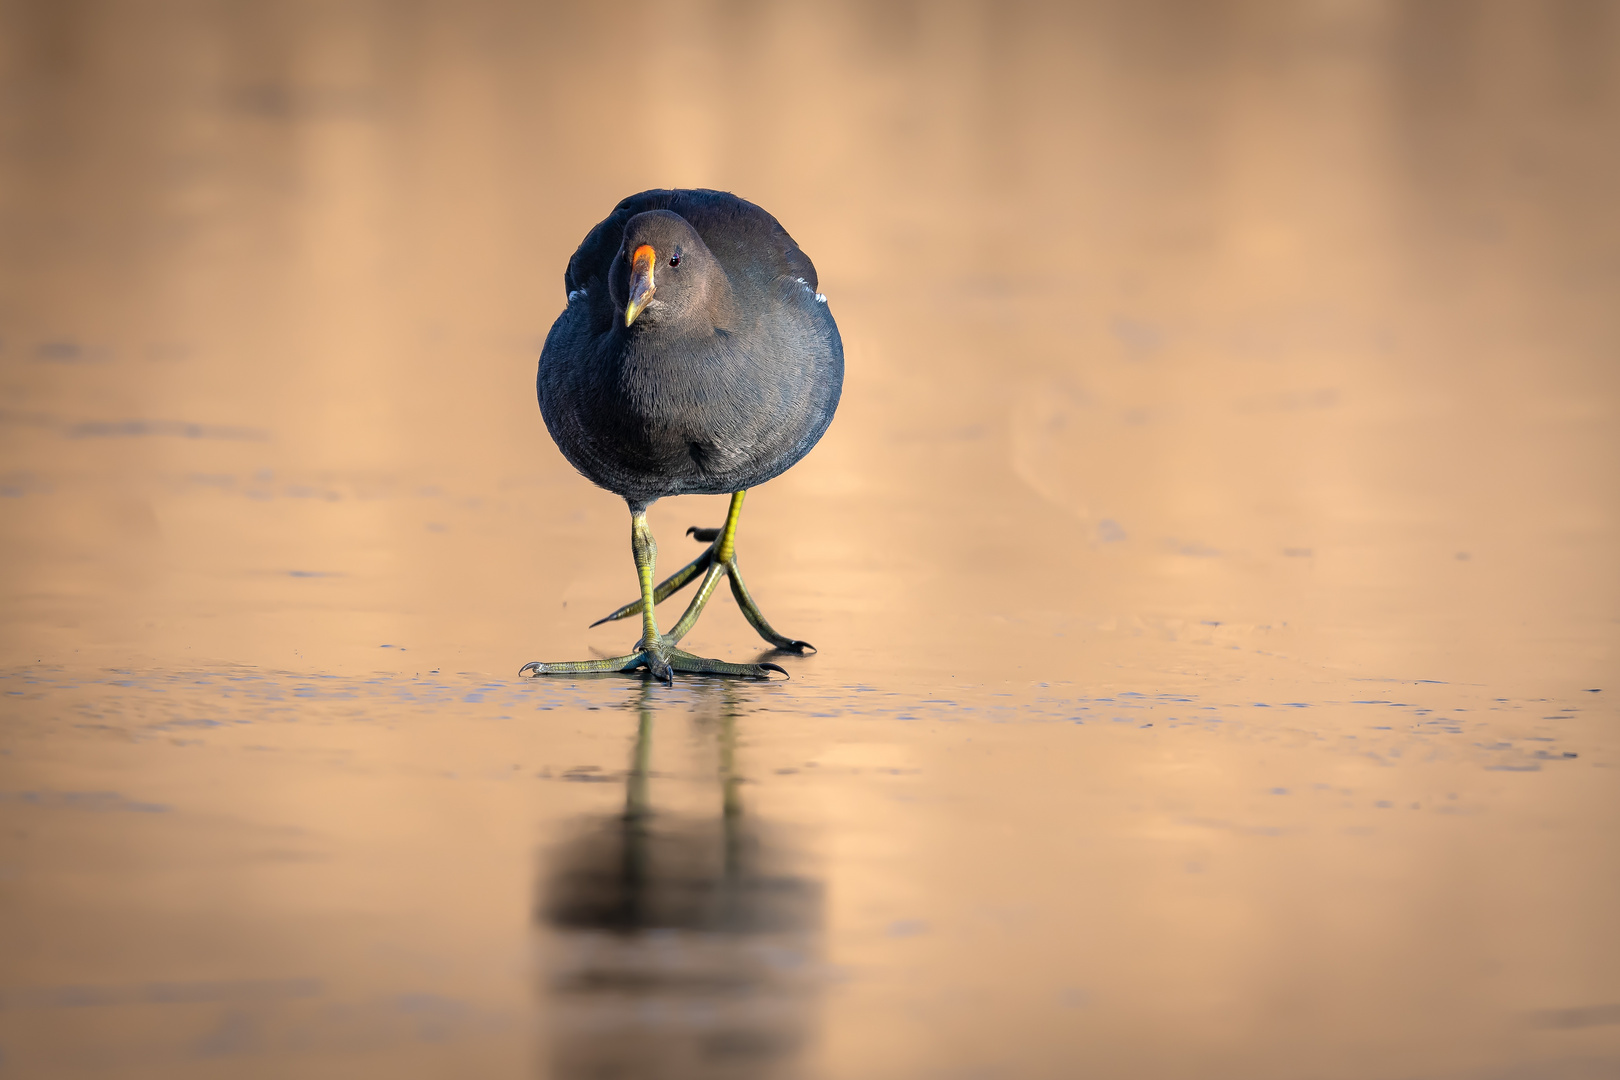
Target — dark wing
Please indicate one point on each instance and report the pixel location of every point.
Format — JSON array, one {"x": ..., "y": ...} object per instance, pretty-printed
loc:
[
  {"x": 747, "y": 241},
  {"x": 589, "y": 266},
  {"x": 588, "y": 269}
]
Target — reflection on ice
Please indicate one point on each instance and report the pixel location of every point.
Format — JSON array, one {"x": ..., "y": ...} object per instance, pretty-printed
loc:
[{"x": 682, "y": 945}]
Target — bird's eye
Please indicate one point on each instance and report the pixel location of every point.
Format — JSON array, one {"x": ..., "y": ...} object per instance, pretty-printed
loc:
[{"x": 675, "y": 259}]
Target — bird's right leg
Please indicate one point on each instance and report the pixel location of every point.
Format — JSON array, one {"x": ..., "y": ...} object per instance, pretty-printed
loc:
[
  {"x": 651, "y": 651},
  {"x": 654, "y": 649},
  {"x": 672, "y": 584}
]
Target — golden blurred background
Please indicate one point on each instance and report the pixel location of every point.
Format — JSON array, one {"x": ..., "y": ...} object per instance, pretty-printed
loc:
[{"x": 1213, "y": 561}]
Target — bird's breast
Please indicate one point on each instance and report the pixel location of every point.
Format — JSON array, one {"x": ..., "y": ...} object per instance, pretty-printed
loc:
[{"x": 714, "y": 412}]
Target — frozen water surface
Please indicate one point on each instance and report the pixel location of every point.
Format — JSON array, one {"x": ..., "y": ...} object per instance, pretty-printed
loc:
[{"x": 1213, "y": 561}]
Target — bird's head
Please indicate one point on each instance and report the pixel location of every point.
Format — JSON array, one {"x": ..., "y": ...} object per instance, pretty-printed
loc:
[{"x": 664, "y": 273}]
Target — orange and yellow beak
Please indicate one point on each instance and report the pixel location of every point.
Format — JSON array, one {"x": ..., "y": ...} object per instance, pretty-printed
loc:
[{"x": 641, "y": 282}]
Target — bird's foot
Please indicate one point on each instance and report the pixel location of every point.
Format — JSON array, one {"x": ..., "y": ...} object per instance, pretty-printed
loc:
[
  {"x": 705, "y": 564},
  {"x": 664, "y": 659},
  {"x": 661, "y": 659}
]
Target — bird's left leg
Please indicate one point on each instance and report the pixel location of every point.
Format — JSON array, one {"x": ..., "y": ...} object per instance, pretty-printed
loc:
[{"x": 723, "y": 561}]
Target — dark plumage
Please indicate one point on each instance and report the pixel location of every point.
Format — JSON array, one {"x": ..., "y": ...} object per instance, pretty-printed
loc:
[
  {"x": 727, "y": 378},
  {"x": 695, "y": 357}
]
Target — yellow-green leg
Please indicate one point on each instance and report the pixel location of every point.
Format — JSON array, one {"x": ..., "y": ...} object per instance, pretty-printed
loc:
[
  {"x": 656, "y": 652},
  {"x": 720, "y": 558}
]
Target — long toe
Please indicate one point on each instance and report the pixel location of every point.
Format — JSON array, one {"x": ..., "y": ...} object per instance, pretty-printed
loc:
[
  {"x": 756, "y": 618},
  {"x": 628, "y": 662},
  {"x": 702, "y": 665}
]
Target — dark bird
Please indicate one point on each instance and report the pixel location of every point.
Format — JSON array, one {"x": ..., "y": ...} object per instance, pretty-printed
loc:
[{"x": 695, "y": 357}]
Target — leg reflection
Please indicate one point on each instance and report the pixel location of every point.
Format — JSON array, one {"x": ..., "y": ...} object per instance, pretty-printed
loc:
[{"x": 680, "y": 945}]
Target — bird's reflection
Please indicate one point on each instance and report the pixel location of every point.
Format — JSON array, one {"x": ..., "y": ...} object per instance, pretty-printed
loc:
[{"x": 680, "y": 945}]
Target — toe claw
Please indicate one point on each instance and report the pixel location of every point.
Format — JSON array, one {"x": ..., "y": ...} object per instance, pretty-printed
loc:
[
  {"x": 533, "y": 665},
  {"x": 773, "y": 667},
  {"x": 702, "y": 535}
]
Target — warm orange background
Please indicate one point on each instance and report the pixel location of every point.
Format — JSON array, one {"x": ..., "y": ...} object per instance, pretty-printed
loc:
[{"x": 1248, "y": 370}]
